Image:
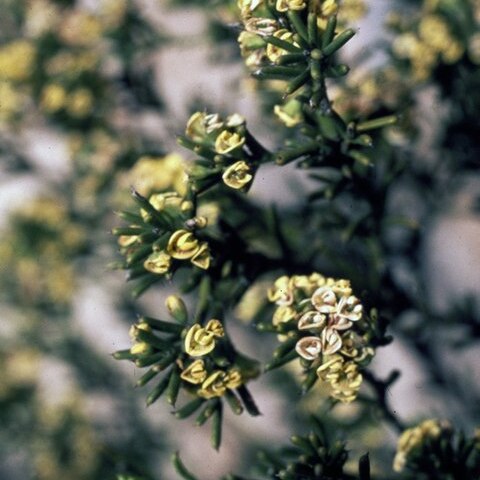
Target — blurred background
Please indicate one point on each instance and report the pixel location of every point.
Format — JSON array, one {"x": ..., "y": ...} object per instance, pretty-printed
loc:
[{"x": 87, "y": 88}]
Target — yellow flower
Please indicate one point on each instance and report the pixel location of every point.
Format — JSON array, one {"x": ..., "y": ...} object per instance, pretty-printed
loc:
[
  {"x": 182, "y": 245},
  {"x": 158, "y": 262},
  {"x": 285, "y": 5},
  {"x": 283, "y": 314},
  {"x": 346, "y": 385},
  {"x": 237, "y": 175},
  {"x": 199, "y": 341},
  {"x": 215, "y": 327},
  {"x": 127, "y": 240},
  {"x": 201, "y": 124},
  {"x": 233, "y": 378},
  {"x": 53, "y": 97},
  {"x": 202, "y": 257},
  {"x": 195, "y": 373},
  {"x": 344, "y": 378},
  {"x": 330, "y": 367},
  {"x": 16, "y": 60},
  {"x": 80, "y": 103},
  {"x": 274, "y": 52},
  {"x": 228, "y": 141},
  {"x": 213, "y": 386},
  {"x": 281, "y": 293}
]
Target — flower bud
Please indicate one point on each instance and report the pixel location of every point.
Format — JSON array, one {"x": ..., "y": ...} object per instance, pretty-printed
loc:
[{"x": 176, "y": 308}]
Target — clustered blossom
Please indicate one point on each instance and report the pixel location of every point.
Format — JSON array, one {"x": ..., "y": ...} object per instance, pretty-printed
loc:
[
  {"x": 164, "y": 234},
  {"x": 213, "y": 381},
  {"x": 436, "y": 37},
  {"x": 411, "y": 440},
  {"x": 224, "y": 142},
  {"x": 260, "y": 21},
  {"x": 330, "y": 330},
  {"x": 191, "y": 357}
]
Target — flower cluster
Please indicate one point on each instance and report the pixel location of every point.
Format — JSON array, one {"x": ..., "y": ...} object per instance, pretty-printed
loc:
[
  {"x": 326, "y": 327},
  {"x": 57, "y": 65},
  {"x": 294, "y": 40},
  {"x": 38, "y": 251},
  {"x": 213, "y": 381},
  {"x": 200, "y": 360},
  {"x": 444, "y": 34},
  {"x": 163, "y": 234},
  {"x": 227, "y": 155},
  {"x": 447, "y": 451}
]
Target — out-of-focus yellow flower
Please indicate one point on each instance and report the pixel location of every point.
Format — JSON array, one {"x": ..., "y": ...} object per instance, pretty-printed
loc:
[
  {"x": 182, "y": 245},
  {"x": 285, "y": 5},
  {"x": 274, "y": 52},
  {"x": 79, "y": 28},
  {"x": 352, "y": 10},
  {"x": 41, "y": 16},
  {"x": 112, "y": 12},
  {"x": 202, "y": 257},
  {"x": 80, "y": 103},
  {"x": 283, "y": 314},
  {"x": 281, "y": 293},
  {"x": 158, "y": 262},
  {"x": 413, "y": 438},
  {"x": 237, "y": 175},
  {"x": 195, "y": 373},
  {"x": 228, "y": 141},
  {"x": 72, "y": 64},
  {"x": 329, "y": 8},
  {"x": 16, "y": 60},
  {"x": 290, "y": 114},
  {"x": 53, "y": 97},
  {"x": 157, "y": 174}
]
